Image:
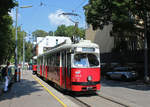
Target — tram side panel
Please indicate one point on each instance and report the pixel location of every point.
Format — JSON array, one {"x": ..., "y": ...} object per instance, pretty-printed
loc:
[{"x": 52, "y": 70}]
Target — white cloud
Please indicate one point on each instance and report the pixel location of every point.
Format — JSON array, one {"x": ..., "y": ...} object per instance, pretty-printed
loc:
[
  {"x": 57, "y": 19},
  {"x": 13, "y": 14}
]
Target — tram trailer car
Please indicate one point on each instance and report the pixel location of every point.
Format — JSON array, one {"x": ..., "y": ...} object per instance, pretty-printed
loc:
[
  {"x": 34, "y": 69},
  {"x": 34, "y": 66},
  {"x": 73, "y": 67}
]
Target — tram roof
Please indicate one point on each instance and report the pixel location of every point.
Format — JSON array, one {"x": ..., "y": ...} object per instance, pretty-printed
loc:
[{"x": 70, "y": 45}]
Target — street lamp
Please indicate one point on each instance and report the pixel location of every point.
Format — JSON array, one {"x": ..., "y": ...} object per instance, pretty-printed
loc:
[
  {"x": 24, "y": 35},
  {"x": 16, "y": 52}
]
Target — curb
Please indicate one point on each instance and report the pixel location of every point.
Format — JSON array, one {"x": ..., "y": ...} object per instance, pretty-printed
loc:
[{"x": 118, "y": 100}]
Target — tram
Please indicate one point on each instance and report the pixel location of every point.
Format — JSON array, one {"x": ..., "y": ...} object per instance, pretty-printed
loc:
[
  {"x": 34, "y": 66},
  {"x": 72, "y": 66}
]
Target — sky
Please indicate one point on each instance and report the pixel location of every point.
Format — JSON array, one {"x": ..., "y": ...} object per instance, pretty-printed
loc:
[{"x": 47, "y": 14}]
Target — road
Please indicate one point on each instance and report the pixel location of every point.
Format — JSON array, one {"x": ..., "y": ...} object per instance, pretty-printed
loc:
[{"x": 112, "y": 94}]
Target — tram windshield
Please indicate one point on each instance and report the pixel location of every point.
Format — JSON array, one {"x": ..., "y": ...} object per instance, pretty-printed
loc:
[{"x": 86, "y": 60}]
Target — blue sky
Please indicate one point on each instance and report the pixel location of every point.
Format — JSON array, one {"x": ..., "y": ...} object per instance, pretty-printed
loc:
[{"x": 45, "y": 14}]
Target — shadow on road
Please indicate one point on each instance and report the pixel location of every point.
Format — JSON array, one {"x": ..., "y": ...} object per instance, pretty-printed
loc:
[{"x": 137, "y": 85}]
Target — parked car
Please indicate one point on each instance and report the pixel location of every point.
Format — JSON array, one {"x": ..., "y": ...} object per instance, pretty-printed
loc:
[{"x": 122, "y": 73}]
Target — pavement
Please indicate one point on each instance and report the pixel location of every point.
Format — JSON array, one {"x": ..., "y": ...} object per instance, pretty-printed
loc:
[{"x": 31, "y": 91}]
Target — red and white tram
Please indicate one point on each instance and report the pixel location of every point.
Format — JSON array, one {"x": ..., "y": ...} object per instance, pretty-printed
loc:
[
  {"x": 34, "y": 65},
  {"x": 74, "y": 67}
]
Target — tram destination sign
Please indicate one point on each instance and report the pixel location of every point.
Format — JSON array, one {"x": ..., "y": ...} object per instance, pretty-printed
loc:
[{"x": 87, "y": 49}]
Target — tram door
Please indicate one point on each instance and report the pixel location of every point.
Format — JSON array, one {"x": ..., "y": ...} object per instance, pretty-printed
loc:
[
  {"x": 43, "y": 64},
  {"x": 68, "y": 71},
  {"x": 64, "y": 69}
]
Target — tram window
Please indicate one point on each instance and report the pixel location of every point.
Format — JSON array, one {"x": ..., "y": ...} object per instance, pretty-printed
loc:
[
  {"x": 63, "y": 59},
  {"x": 34, "y": 61},
  {"x": 53, "y": 60},
  {"x": 85, "y": 60},
  {"x": 68, "y": 64},
  {"x": 57, "y": 59},
  {"x": 93, "y": 60},
  {"x": 81, "y": 60},
  {"x": 68, "y": 59}
]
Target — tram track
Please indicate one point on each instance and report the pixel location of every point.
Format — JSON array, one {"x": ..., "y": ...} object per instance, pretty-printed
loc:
[
  {"x": 83, "y": 103},
  {"x": 84, "y": 100},
  {"x": 110, "y": 99},
  {"x": 95, "y": 101}
]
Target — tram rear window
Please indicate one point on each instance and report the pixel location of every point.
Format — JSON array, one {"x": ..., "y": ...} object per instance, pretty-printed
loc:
[{"x": 86, "y": 60}]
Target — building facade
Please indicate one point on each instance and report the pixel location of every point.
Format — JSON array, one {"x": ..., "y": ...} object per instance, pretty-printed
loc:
[
  {"x": 45, "y": 43},
  {"x": 101, "y": 37}
]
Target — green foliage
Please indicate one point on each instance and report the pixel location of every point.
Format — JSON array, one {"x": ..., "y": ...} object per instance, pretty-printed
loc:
[
  {"x": 124, "y": 15},
  {"x": 6, "y": 35},
  {"x": 69, "y": 31},
  {"x": 6, "y": 44},
  {"x": 28, "y": 51},
  {"x": 103, "y": 12},
  {"x": 6, "y": 6},
  {"x": 61, "y": 31},
  {"x": 39, "y": 33},
  {"x": 50, "y": 33}
]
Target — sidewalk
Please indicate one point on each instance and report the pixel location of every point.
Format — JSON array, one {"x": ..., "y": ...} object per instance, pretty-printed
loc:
[{"x": 29, "y": 93}]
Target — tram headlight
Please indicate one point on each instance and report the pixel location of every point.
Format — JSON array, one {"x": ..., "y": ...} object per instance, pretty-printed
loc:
[{"x": 89, "y": 78}]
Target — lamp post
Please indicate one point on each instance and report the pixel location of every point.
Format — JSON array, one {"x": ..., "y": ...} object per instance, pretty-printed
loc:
[
  {"x": 16, "y": 50},
  {"x": 23, "y": 50}
]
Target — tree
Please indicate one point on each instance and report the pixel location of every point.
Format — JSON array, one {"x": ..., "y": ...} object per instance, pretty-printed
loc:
[
  {"x": 126, "y": 16},
  {"x": 39, "y": 33},
  {"x": 28, "y": 51},
  {"x": 103, "y": 12},
  {"x": 6, "y": 36},
  {"x": 69, "y": 31},
  {"x": 6, "y": 44},
  {"x": 50, "y": 33},
  {"x": 61, "y": 31}
]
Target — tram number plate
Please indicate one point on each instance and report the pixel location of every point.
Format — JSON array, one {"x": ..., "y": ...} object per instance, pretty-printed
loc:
[{"x": 89, "y": 88}]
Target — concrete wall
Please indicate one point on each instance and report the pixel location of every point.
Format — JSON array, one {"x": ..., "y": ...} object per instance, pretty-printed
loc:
[{"x": 102, "y": 38}]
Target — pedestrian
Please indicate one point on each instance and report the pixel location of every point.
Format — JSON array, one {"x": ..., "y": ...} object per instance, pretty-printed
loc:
[{"x": 6, "y": 77}]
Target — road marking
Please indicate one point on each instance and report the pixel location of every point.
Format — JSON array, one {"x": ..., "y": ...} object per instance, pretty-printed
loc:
[{"x": 64, "y": 105}]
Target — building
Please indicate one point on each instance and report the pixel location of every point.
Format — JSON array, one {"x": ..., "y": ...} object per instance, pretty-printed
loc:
[
  {"x": 45, "y": 43},
  {"x": 101, "y": 37}
]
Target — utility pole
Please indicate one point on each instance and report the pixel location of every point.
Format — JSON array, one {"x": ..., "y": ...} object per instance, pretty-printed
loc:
[
  {"x": 16, "y": 49},
  {"x": 146, "y": 78},
  {"x": 75, "y": 22},
  {"x": 23, "y": 50},
  {"x": 16, "y": 53}
]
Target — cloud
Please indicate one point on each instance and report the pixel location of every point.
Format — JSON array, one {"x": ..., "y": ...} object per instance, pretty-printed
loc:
[
  {"x": 13, "y": 14},
  {"x": 57, "y": 19}
]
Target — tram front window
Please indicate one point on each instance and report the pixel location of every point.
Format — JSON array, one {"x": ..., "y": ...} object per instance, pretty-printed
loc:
[{"x": 85, "y": 60}]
